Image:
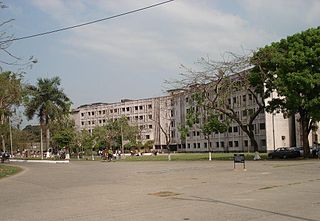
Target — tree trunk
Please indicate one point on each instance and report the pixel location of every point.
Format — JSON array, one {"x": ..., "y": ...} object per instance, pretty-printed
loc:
[
  {"x": 209, "y": 148},
  {"x": 47, "y": 137},
  {"x": 3, "y": 143},
  {"x": 253, "y": 141},
  {"x": 169, "y": 152},
  {"x": 305, "y": 134}
]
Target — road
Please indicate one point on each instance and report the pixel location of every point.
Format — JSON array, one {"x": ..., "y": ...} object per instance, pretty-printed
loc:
[{"x": 203, "y": 190}]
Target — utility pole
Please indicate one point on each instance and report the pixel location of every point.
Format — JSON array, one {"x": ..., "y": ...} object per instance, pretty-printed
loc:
[
  {"x": 41, "y": 143},
  {"x": 11, "y": 150}
]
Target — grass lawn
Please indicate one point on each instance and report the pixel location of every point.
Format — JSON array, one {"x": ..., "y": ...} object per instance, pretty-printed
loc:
[
  {"x": 6, "y": 170},
  {"x": 191, "y": 156}
]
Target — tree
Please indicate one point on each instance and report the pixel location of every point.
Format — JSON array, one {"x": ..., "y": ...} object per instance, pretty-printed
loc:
[
  {"x": 47, "y": 101},
  {"x": 63, "y": 132},
  {"x": 6, "y": 39},
  {"x": 163, "y": 121},
  {"x": 294, "y": 67},
  {"x": 206, "y": 120},
  {"x": 114, "y": 132},
  {"x": 11, "y": 94},
  {"x": 218, "y": 82}
]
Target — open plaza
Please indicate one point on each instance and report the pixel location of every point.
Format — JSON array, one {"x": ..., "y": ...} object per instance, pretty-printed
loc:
[{"x": 176, "y": 190}]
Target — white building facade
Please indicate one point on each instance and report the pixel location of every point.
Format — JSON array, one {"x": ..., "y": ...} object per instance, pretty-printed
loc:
[
  {"x": 151, "y": 115},
  {"x": 271, "y": 130},
  {"x": 161, "y": 118}
]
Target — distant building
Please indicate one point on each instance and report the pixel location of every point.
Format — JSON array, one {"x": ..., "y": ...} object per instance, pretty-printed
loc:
[
  {"x": 160, "y": 118},
  {"x": 150, "y": 115}
]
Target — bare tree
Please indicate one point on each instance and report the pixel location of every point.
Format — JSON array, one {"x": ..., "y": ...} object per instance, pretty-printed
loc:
[
  {"x": 163, "y": 121},
  {"x": 219, "y": 81},
  {"x": 6, "y": 39}
]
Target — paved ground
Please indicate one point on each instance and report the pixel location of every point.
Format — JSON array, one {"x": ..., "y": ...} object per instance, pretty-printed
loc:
[{"x": 276, "y": 190}]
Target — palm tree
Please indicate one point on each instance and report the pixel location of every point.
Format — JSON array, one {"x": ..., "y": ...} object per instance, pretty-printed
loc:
[{"x": 48, "y": 102}]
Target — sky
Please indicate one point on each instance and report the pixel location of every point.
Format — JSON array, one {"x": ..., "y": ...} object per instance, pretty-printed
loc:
[{"x": 132, "y": 56}]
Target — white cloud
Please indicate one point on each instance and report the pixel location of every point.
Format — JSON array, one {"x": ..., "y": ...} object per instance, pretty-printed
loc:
[{"x": 156, "y": 41}]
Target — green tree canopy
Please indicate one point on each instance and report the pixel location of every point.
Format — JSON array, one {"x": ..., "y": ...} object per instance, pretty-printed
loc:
[
  {"x": 47, "y": 101},
  {"x": 293, "y": 67}
]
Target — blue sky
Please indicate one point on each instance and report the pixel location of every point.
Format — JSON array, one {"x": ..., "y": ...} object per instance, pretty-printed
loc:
[{"x": 132, "y": 56}]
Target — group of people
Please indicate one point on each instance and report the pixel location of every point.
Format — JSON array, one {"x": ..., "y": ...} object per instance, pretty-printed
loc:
[{"x": 109, "y": 154}]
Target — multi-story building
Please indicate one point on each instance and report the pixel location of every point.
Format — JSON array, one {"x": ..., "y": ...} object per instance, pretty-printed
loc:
[
  {"x": 161, "y": 118},
  {"x": 271, "y": 130},
  {"x": 151, "y": 115}
]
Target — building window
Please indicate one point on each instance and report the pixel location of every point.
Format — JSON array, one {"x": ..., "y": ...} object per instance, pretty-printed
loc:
[
  {"x": 115, "y": 110},
  {"x": 222, "y": 144},
  {"x": 99, "y": 112},
  {"x": 150, "y": 106},
  {"x": 230, "y": 144},
  {"x": 147, "y": 136},
  {"x": 104, "y": 112},
  {"x": 123, "y": 109},
  {"x": 230, "y": 130},
  {"x": 235, "y": 129},
  {"x": 244, "y": 98},
  {"x": 89, "y": 113},
  {"x": 150, "y": 116},
  {"x": 262, "y": 126},
  {"x": 136, "y": 107},
  {"x": 141, "y": 117},
  {"x": 104, "y": 120},
  {"x": 82, "y": 114},
  {"x": 205, "y": 145},
  {"x": 198, "y": 133},
  {"x": 188, "y": 145},
  {"x": 246, "y": 143},
  {"x": 194, "y": 145},
  {"x": 263, "y": 143},
  {"x": 199, "y": 145},
  {"x": 217, "y": 144},
  {"x": 111, "y": 111},
  {"x": 82, "y": 123},
  {"x": 100, "y": 121},
  {"x": 92, "y": 122},
  {"x": 89, "y": 122},
  {"x": 188, "y": 135},
  {"x": 244, "y": 113},
  {"x": 194, "y": 133},
  {"x": 140, "y": 107},
  {"x": 92, "y": 113},
  {"x": 128, "y": 108},
  {"x": 236, "y": 143}
]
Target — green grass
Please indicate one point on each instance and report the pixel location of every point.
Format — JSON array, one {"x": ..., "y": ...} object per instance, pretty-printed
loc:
[
  {"x": 191, "y": 157},
  {"x": 6, "y": 170}
]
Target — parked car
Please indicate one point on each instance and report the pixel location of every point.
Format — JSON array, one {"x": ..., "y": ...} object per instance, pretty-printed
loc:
[
  {"x": 284, "y": 153},
  {"x": 315, "y": 152},
  {"x": 300, "y": 149}
]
